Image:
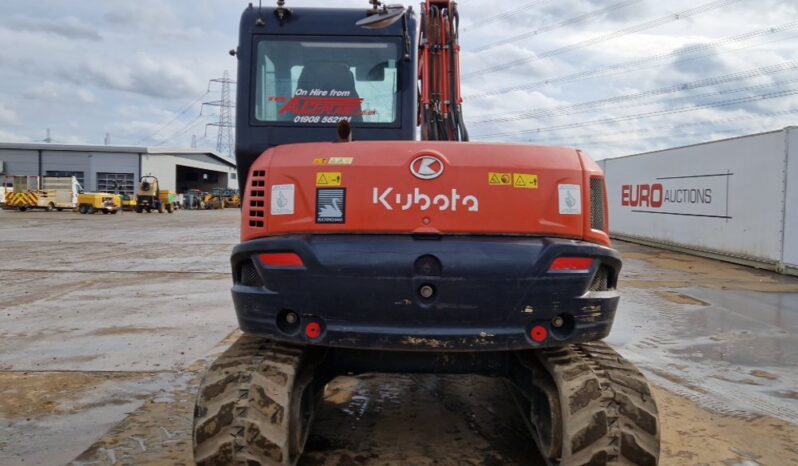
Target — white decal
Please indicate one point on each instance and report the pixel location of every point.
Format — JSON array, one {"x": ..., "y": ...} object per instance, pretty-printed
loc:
[
  {"x": 423, "y": 201},
  {"x": 283, "y": 199},
  {"x": 426, "y": 167},
  {"x": 570, "y": 199}
]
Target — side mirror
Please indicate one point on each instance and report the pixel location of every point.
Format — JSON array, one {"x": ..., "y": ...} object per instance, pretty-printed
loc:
[{"x": 382, "y": 18}]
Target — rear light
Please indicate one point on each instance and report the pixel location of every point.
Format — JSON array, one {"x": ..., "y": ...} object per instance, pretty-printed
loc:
[
  {"x": 572, "y": 265},
  {"x": 281, "y": 259},
  {"x": 539, "y": 334}
]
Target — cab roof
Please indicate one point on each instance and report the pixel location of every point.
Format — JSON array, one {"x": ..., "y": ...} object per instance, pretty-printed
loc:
[{"x": 314, "y": 21}]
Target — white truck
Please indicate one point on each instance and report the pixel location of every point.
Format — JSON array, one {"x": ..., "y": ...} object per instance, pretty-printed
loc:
[{"x": 48, "y": 193}]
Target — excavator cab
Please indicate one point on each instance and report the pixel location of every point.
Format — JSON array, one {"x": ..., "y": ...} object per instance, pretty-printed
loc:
[{"x": 304, "y": 71}]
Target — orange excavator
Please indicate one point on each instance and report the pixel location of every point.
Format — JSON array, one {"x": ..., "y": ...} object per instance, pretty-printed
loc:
[{"x": 366, "y": 250}]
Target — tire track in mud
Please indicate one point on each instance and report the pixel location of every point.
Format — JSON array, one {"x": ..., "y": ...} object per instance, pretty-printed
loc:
[
  {"x": 420, "y": 420},
  {"x": 667, "y": 347},
  {"x": 367, "y": 420}
]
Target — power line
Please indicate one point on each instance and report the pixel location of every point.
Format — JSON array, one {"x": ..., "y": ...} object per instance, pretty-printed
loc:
[
  {"x": 566, "y": 22},
  {"x": 606, "y": 37},
  {"x": 180, "y": 114},
  {"x": 182, "y": 130},
  {"x": 575, "y": 140},
  {"x": 575, "y": 108},
  {"x": 633, "y": 139},
  {"x": 499, "y": 16},
  {"x": 629, "y": 65},
  {"x": 723, "y": 103}
]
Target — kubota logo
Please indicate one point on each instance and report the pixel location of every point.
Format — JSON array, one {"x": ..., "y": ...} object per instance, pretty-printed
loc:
[{"x": 426, "y": 167}]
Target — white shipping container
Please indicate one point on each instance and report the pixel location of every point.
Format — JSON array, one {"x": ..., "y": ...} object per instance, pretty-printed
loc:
[
  {"x": 726, "y": 197},
  {"x": 791, "y": 206}
]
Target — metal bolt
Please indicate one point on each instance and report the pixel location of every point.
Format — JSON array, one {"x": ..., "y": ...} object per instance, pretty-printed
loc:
[
  {"x": 557, "y": 322},
  {"x": 291, "y": 318},
  {"x": 426, "y": 291}
]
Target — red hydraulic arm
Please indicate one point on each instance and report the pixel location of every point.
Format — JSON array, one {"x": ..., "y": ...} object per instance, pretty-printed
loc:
[{"x": 440, "y": 101}]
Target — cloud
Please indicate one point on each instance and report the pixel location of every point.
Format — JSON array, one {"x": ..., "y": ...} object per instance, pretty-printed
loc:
[
  {"x": 144, "y": 75},
  {"x": 710, "y": 65},
  {"x": 155, "y": 57},
  {"x": 7, "y": 115},
  {"x": 144, "y": 15},
  {"x": 54, "y": 92},
  {"x": 68, "y": 27},
  {"x": 7, "y": 136}
]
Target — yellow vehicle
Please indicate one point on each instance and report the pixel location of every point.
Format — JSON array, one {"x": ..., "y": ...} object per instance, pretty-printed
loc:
[
  {"x": 231, "y": 198},
  {"x": 150, "y": 196},
  {"x": 212, "y": 201},
  {"x": 89, "y": 203},
  {"x": 233, "y": 201},
  {"x": 128, "y": 203},
  {"x": 48, "y": 193}
]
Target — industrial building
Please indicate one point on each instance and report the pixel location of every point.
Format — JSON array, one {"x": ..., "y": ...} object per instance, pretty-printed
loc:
[{"x": 98, "y": 167}]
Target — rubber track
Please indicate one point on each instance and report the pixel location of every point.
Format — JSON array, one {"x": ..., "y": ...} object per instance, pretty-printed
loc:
[
  {"x": 609, "y": 413},
  {"x": 242, "y": 410}
]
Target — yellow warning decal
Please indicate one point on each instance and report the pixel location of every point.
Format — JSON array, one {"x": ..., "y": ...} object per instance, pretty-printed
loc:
[
  {"x": 525, "y": 181},
  {"x": 340, "y": 160},
  {"x": 500, "y": 179},
  {"x": 329, "y": 179}
]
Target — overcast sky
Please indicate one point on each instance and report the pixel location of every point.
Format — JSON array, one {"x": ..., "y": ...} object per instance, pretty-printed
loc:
[{"x": 613, "y": 77}]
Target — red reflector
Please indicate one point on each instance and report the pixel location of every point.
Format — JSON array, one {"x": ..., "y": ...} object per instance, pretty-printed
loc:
[
  {"x": 313, "y": 330},
  {"x": 571, "y": 264},
  {"x": 539, "y": 333},
  {"x": 281, "y": 259}
]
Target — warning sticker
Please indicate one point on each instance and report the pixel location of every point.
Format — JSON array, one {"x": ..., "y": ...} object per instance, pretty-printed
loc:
[
  {"x": 570, "y": 199},
  {"x": 525, "y": 181},
  {"x": 341, "y": 160},
  {"x": 283, "y": 199},
  {"x": 331, "y": 205},
  {"x": 334, "y": 161},
  {"x": 500, "y": 179},
  {"x": 328, "y": 179}
]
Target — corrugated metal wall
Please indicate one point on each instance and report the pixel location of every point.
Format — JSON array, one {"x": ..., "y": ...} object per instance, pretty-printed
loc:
[
  {"x": 791, "y": 207},
  {"x": 25, "y": 162},
  {"x": 728, "y": 198},
  {"x": 20, "y": 162}
]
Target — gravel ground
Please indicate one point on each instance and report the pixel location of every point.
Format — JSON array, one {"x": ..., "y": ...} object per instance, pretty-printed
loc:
[{"x": 107, "y": 322}]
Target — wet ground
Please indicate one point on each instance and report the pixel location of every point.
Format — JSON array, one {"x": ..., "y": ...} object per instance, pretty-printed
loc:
[{"x": 106, "y": 323}]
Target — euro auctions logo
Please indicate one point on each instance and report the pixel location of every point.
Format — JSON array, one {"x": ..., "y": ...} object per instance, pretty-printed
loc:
[
  {"x": 655, "y": 195},
  {"x": 699, "y": 195},
  {"x": 642, "y": 195}
]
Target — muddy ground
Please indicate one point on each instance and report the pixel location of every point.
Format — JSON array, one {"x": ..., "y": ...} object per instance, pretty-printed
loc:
[{"x": 106, "y": 323}]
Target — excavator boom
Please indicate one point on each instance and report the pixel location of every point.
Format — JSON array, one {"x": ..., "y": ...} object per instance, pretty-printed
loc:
[{"x": 440, "y": 102}]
